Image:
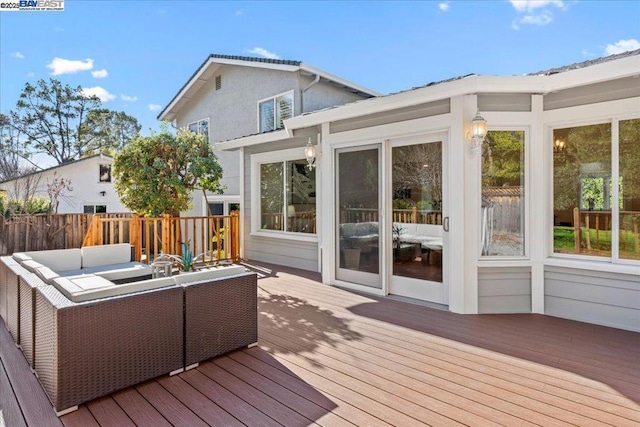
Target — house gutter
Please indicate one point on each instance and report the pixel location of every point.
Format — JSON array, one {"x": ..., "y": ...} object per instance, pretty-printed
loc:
[{"x": 316, "y": 80}]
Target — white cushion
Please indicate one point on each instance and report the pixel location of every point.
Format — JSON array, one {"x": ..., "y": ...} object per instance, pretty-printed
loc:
[
  {"x": 88, "y": 287},
  {"x": 21, "y": 256},
  {"x": 209, "y": 274},
  {"x": 58, "y": 259},
  {"x": 125, "y": 271},
  {"x": 94, "y": 256}
]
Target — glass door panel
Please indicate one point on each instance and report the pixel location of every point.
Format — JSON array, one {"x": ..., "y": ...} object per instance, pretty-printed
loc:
[
  {"x": 416, "y": 231},
  {"x": 358, "y": 202}
]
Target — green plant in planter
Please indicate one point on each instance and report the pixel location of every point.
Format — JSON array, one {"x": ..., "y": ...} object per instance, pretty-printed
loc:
[{"x": 187, "y": 259}]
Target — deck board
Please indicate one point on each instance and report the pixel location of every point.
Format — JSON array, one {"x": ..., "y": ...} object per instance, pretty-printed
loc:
[{"x": 331, "y": 357}]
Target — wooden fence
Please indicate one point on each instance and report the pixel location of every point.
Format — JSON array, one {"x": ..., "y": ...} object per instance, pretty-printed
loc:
[
  {"x": 592, "y": 231},
  {"x": 211, "y": 238},
  {"x": 46, "y": 231},
  {"x": 214, "y": 238},
  {"x": 413, "y": 216}
]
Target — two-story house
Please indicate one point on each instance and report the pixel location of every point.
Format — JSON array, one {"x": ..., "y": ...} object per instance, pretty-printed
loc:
[{"x": 238, "y": 100}]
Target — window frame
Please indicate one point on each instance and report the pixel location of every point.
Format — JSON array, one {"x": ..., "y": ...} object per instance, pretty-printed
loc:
[
  {"x": 280, "y": 156},
  {"x": 498, "y": 259},
  {"x": 100, "y": 166},
  {"x": 273, "y": 98},
  {"x": 198, "y": 123},
  {"x": 614, "y": 260}
]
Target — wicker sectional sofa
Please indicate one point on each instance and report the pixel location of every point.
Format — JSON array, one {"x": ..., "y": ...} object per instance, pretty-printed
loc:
[{"x": 86, "y": 343}]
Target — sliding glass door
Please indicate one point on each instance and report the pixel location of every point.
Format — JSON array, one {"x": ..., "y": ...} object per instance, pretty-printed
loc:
[
  {"x": 417, "y": 235},
  {"x": 358, "y": 215}
]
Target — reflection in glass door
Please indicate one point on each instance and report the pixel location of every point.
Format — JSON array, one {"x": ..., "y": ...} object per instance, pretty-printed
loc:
[
  {"x": 358, "y": 222},
  {"x": 417, "y": 232}
]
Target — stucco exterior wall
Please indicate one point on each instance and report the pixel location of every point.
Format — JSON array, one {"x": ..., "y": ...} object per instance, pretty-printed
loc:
[
  {"x": 324, "y": 95},
  {"x": 233, "y": 110}
]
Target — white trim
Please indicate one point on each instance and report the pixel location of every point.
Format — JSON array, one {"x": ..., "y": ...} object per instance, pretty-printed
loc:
[
  {"x": 597, "y": 119},
  {"x": 274, "y": 157},
  {"x": 286, "y": 235},
  {"x": 332, "y": 77},
  {"x": 525, "y": 164},
  {"x": 538, "y": 196},
  {"x": 214, "y": 198},
  {"x": 620, "y": 68},
  {"x": 275, "y": 106},
  {"x": 261, "y": 138},
  {"x": 594, "y": 265},
  {"x": 197, "y": 123}
]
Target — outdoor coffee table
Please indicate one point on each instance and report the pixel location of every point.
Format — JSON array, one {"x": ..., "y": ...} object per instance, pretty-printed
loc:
[{"x": 161, "y": 269}]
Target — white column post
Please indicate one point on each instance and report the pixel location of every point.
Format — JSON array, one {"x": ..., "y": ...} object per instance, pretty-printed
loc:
[{"x": 539, "y": 180}]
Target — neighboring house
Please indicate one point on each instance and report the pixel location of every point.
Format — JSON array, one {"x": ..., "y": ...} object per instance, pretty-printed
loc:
[
  {"x": 91, "y": 183},
  {"x": 231, "y": 97},
  {"x": 400, "y": 203}
]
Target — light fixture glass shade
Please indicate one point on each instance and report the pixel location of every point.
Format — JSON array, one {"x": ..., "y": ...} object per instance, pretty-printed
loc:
[
  {"x": 478, "y": 132},
  {"x": 310, "y": 153},
  {"x": 478, "y": 126}
]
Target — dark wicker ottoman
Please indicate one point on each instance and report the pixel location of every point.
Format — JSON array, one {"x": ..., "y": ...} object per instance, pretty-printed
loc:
[
  {"x": 87, "y": 350},
  {"x": 221, "y": 315}
]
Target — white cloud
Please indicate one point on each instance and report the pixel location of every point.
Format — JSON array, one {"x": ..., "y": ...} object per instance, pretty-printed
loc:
[
  {"x": 128, "y": 98},
  {"x": 264, "y": 53},
  {"x": 444, "y": 6},
  {"x": 530, "y": 5},
  {"x": 622, "y": 46},
  {"x": 60, "y": 66},
  {"x": 100, "y": 92},
  {"x": 588, "y": 53},
  {"x": 31, "y": 74},
  {"x": 536, "y": 12},
  {"x": 239, "y": 12},
  {"x": 18, "y": 55},
  {"x": 58, "y": 29},
  {"x": 154, "y": 107},
  {"x": 542, "y": 19},
  {"x": 100, "y": 74}
]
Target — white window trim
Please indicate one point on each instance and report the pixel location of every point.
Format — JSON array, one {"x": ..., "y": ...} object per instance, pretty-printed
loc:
[
  {"x": 100, "y": 182},
  {"x": 486, "y": 259},
  {"x": 225, "y": 200},
  {"x": 197, "y": 122},
  {"x": 273, "y": 157},
  {"x": 613, "y": 263},
  {"x": 293, "y": 107}
]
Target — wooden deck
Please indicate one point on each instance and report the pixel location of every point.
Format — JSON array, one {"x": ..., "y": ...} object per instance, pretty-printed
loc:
[{"x": 331, "y": 357}]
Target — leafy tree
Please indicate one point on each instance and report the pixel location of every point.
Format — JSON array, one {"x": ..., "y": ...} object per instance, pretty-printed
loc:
[
  {"x": 156, "y": 175},
  {"x": 66, "y": 124},
  {"x": 111, "y": 130},
  {"x": 502, "y": 159},
  {"x": 14, "y": 155}
]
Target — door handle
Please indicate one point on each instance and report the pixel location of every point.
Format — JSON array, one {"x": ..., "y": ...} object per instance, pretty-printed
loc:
[{"x": 445, "y": 224}]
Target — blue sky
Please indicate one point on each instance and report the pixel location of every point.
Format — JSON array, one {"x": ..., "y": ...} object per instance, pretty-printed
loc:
[{"x": 137, "y": 54}]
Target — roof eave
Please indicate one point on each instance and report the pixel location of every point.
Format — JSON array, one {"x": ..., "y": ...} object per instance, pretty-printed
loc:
[
  {"x": 621, "y": 68},
  {"x": 247, "y": 141}
]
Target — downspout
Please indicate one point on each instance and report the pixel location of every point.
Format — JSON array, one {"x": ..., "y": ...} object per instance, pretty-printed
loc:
[{"x": 316, "y": 80}]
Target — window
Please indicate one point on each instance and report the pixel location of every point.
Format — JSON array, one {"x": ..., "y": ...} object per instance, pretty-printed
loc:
[
  {"x": 89, "y": 209},
  {"x": 502, "y": 213},
  {"x": 273, "y": 111},
  {"x": 200, "y": 126},
  {"x": 586, "y": 200},
  {"x": 105, "y": 173},
  {"x": 284, "y": 193}
]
